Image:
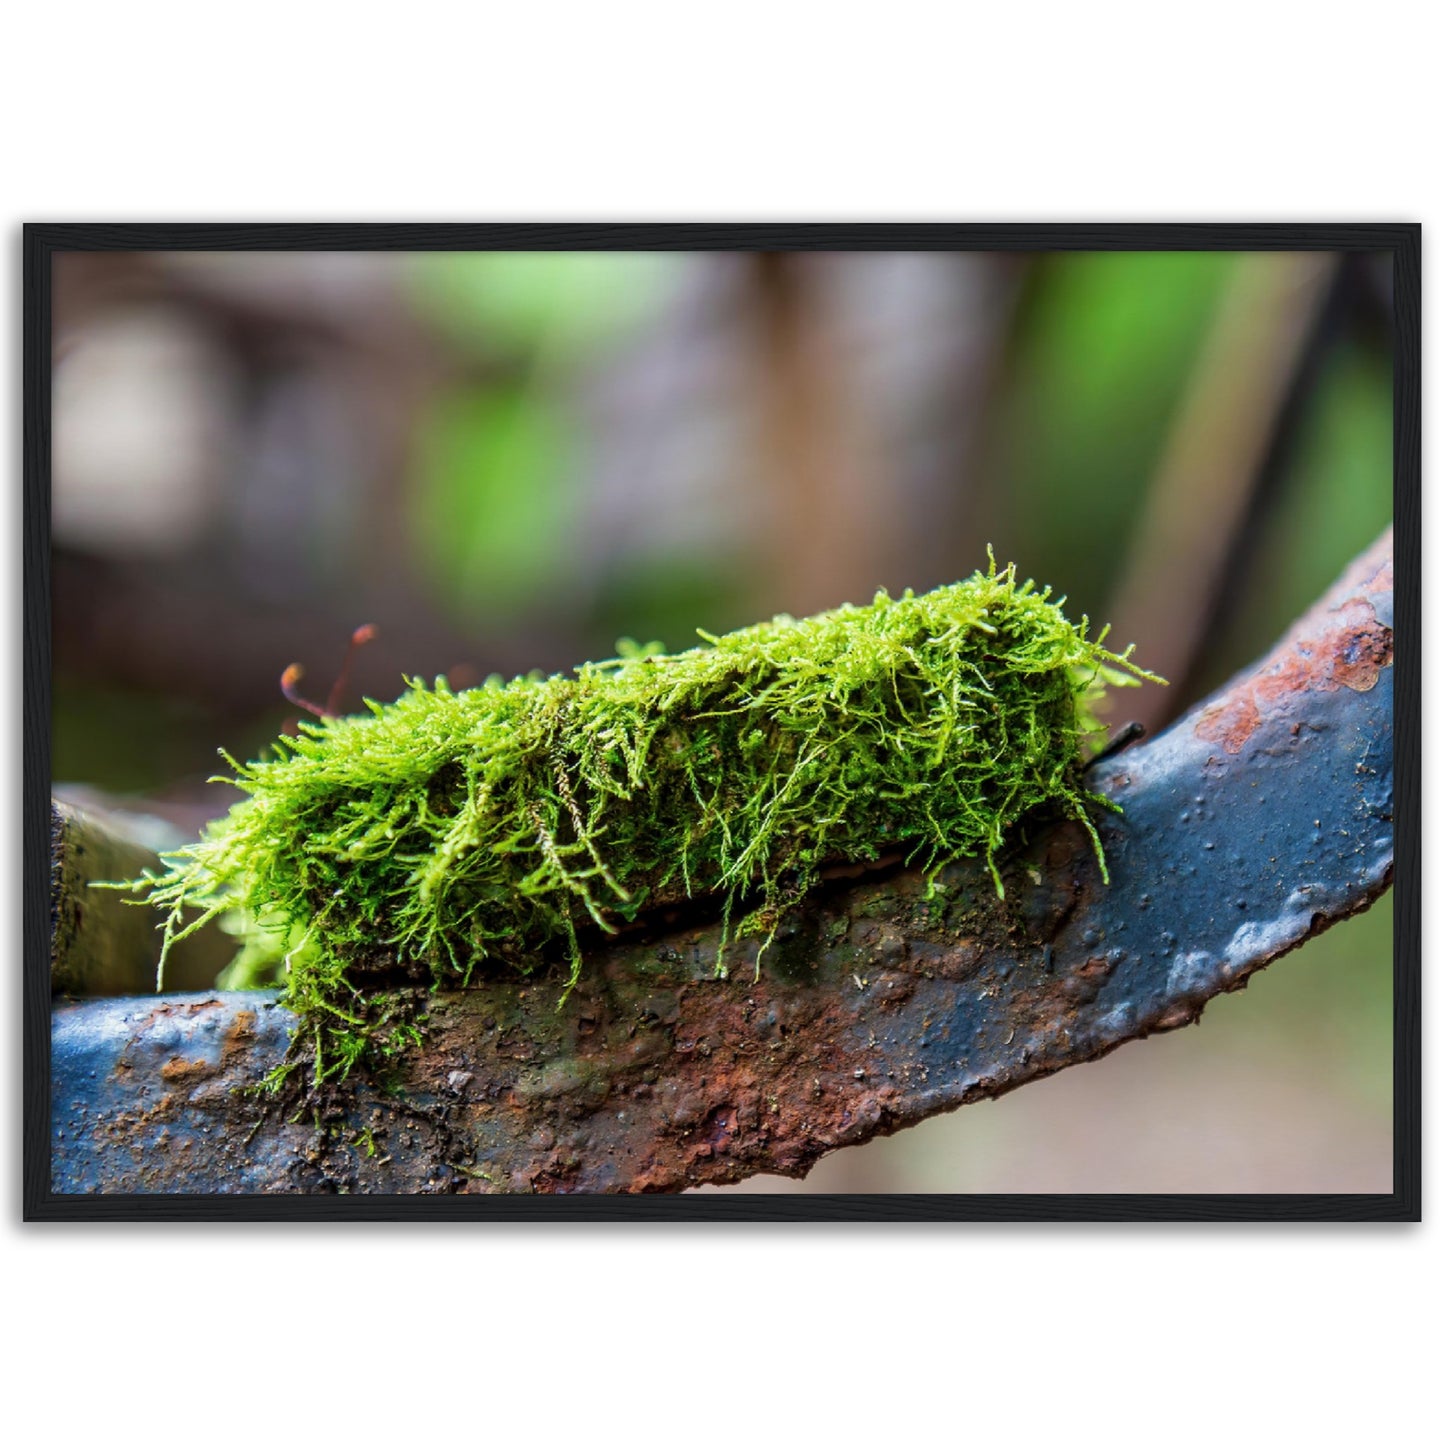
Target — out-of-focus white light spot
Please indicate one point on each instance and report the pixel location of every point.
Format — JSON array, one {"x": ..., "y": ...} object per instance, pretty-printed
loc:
[{"x": 142, "y": 407}]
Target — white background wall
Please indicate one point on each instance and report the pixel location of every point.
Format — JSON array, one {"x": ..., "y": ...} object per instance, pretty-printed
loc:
[{"x": 745, "y": 112}]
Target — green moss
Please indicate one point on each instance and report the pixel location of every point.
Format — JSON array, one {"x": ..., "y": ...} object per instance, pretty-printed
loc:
[{"x": 449, "y": 834}]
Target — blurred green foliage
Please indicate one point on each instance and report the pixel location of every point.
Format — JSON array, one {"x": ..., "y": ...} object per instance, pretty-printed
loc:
[
  {"x": 667, "y": 597},
  {"x": 1104, "y": 349},
  {"x": 496, "y": 484},
  {"x": 495, "y": 495}
]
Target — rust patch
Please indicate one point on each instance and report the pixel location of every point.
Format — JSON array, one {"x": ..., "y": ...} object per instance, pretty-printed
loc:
[
  {"x": 1343, "y": 646},
  {"x": 1363, "y": 655},
  {"x": 1046, "y": 1018},
  {"x": 184, "y": 1072},
  {"x": 238, "y": 1038},
  {"x": 177, "y": 1010},
  {"x": 1232, "y": 723}
]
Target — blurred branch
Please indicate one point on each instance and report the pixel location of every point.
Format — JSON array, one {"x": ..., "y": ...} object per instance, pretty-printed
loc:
[
  {"x": 1231, "y": 431},
  {"x": 830, "y": 518},
  {"x": 102, "y": 944},
  {"x": 1258, "y": 820}
]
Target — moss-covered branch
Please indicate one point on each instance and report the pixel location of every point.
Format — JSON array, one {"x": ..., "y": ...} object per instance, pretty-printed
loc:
[{"x": 453, "y": 836}]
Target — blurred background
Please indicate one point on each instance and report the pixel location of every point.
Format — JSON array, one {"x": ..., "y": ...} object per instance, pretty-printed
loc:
[{"x": 506, "y": 461}]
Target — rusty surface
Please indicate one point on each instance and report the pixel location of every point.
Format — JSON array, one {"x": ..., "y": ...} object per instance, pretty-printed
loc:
[
  {"x": 1346, "y": 643},
  {"x": 1259, "y": 819}
]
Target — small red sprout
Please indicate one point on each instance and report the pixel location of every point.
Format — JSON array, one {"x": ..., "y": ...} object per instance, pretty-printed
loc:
[{"x": 293, "y": 674}]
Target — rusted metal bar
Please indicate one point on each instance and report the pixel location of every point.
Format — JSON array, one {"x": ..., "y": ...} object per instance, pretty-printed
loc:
[{"x": 1259, "y": 819}]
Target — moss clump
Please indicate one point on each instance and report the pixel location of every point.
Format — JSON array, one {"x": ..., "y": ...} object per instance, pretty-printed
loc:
[{"x": 449, "y": 832}]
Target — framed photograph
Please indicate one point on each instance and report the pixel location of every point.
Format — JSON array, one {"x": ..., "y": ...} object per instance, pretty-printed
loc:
[{"x": 694, "y": 722}]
